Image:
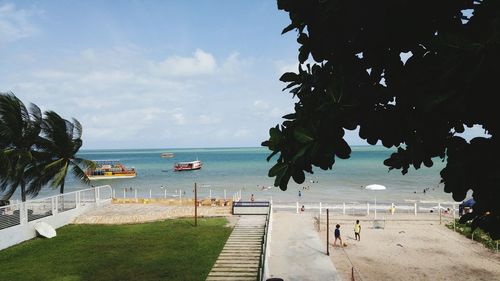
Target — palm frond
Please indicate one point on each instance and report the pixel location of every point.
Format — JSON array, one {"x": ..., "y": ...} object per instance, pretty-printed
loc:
[
  {"x": 78, "y": 129},
  {"x": 80, "y": 174}
]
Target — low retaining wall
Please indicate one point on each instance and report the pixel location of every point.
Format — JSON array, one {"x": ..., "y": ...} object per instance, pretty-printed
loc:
[{"x": 58, "y": 215}]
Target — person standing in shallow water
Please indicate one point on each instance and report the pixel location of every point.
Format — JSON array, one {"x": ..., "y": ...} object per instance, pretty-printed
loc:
[
  {"x": 300, "y": 194},
  {"x": 252, "y": 198},
  {"x": 357, "y": 231}
]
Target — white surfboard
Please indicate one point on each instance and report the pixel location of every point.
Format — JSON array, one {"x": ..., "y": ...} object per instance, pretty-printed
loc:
[{"x": 45, "y": 229}]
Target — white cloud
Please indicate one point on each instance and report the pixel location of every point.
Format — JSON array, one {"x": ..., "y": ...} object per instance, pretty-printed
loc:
[
  {"x": 201, "y": 63},
  {"x": 283, "y": 67},
  {"x": 15, "y": 23},
  {"x": 123, "y": 98},
  {"x": 205, "y": 119}
]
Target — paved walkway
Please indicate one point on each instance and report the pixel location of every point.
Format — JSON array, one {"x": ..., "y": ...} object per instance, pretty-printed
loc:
[
  {"x": 239, "y": 260},
  {"x": 296, "y": 251}
]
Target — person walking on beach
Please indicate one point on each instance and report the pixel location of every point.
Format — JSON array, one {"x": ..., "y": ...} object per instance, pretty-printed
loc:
[
  {"x": 357, "y": 230},
  {"x": 252, "y": 198},
  {"x": 337, "y": 236},
  {"x": 300, "y": 194}
]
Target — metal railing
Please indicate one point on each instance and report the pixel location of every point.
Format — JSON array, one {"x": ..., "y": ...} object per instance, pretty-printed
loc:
[
  {"x": 31, "y": 210},
  {"x": 262, "y": 262}
]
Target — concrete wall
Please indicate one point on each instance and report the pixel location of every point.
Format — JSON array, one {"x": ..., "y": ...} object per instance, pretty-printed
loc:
[{"x": 26, "y": 230}]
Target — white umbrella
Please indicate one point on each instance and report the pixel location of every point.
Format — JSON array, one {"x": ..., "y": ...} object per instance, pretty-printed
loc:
[{"x": 375, "y": 187}]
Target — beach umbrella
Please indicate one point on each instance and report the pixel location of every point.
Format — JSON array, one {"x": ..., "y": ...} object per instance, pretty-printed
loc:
[{"x": 375, "y": 187}]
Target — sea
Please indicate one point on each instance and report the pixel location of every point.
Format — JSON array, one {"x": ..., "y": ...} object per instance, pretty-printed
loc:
[{"x": 227, "y": 171}]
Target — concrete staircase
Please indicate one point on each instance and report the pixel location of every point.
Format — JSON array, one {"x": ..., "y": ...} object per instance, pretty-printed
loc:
[{"x": 239, "y": 260}]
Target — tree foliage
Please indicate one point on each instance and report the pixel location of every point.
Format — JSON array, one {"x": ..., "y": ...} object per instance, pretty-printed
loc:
[
  {"x": 358, "y": 80},
  {"x": 36, "y": 150}
]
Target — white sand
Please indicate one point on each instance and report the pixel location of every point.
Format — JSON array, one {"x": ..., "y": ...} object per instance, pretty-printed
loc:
[{"x": 410, "y": 248}]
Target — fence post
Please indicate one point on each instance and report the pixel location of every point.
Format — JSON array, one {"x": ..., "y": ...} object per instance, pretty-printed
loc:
[
  {"x": 439, "y": 210},
  {"x": 415, "y": 209},
  {"x": 23, "y": 218},
  {"x": 56, "y": 205},
  {"x": 454, "y": 228},
  {"x": 343, "y": 208}
]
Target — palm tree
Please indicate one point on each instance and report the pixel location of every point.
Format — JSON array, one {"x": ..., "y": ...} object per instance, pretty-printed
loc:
[
  {"x": 58, "y": 145},
  {"x": 19, "y": 132}
]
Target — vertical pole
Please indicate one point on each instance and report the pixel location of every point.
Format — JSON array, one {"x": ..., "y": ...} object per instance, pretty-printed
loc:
[
  {"x": 124, "y": 193},
  {"x": 150, "y": 195},
  {"x": 224, "y": 195},
  {"x": 375, "y": 207},
  {"x": 320, "y": 208},
  {"x": 195, "y": 205},
  {"x": 439, "y": 210},
  {"x": 297, "y": 207},
  {"x": 210, "y": 195},
  {"x": 454, "y": 227},
  {"x": 497, "y": 246},
  {"x": 343, "y": 208},
  {"x": 368, "y": 208},
  {"x": 135, "y": 194},
  {"x": 415, "y": 209},
  {"x": 180, "y": 195},
  {"x": 165, "y": 193},
  {"x": 327, "y": 233}
]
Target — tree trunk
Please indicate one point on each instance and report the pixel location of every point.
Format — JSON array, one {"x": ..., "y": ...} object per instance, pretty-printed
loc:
[
  {"x": 23, "y": 191},
  {"x": 62, "y": 188}
]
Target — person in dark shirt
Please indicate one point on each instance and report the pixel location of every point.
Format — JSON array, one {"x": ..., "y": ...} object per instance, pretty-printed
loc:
[{"x": 337, "y": 235}]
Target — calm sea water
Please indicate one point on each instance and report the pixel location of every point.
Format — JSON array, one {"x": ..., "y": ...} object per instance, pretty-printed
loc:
[{"x": 245, "y": 169}]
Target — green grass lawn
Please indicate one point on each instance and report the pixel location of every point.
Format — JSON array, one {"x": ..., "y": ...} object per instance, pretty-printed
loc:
[{"x": 167, "y": 250}]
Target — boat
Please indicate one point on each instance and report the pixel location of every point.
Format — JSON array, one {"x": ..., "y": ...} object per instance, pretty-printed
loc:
[
  {"x": 110, "y": 169},
  {"x": 166, "y": 155},
  {"x": 187, "y": 166}
]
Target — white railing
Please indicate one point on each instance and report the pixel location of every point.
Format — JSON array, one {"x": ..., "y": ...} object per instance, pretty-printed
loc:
[
  {"x": 357, "y": 208},
  {"x": 17, "y": 220}
]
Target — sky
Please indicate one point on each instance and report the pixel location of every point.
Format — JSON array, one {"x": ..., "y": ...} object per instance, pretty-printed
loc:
[{"x": 152, "y": 74}]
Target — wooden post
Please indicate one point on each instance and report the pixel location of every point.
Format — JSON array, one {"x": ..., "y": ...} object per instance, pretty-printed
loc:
[
  {"x": 195, "y": 205},
  {"x": 327, "y": 233},
  {"x": 352, "y": 274}
]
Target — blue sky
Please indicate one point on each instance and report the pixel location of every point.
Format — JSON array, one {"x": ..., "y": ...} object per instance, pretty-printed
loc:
[{"x": 152, "y": 74}]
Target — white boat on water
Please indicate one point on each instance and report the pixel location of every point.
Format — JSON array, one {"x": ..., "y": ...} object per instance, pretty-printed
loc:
[
  {"x": 166, "y": 155},
  {"x": 187, "y": 166}
]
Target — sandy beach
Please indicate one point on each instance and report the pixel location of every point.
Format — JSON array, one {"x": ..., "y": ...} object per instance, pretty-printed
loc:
[{"x": 410, "y": 248}]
